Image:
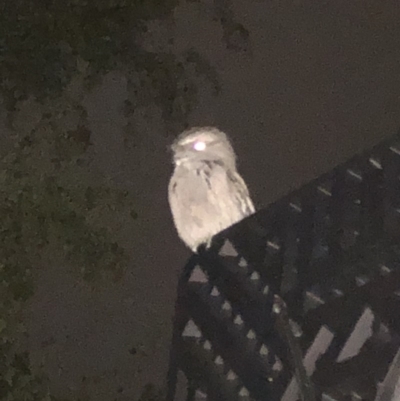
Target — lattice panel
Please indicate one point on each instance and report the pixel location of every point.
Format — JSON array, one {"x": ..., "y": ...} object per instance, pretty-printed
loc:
[{"x": 331, "y": 249}]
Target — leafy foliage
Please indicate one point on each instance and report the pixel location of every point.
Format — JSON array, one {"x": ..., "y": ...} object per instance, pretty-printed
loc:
[
  {"x": 41, "y": 40},
  {"x": 44, "y": 44},
  {"x": 50, "y": 212},
  {"x": 52, "y": 208}
]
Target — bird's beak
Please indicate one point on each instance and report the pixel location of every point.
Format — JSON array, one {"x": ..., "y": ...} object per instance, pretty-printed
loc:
[{"x": 177, "y": 148}]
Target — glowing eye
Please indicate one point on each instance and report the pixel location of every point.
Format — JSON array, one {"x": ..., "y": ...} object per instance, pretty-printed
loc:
[{"x": 199, "y": 145}]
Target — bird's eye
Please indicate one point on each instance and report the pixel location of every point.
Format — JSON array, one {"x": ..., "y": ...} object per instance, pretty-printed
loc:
[{"x": 199, "y": 145}]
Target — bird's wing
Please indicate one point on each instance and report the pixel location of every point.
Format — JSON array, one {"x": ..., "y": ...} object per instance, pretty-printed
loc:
[{"x": 242, "y": 191}]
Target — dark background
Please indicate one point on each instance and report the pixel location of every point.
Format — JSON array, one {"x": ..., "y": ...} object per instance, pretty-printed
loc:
[{"x": 314, "y": 83}]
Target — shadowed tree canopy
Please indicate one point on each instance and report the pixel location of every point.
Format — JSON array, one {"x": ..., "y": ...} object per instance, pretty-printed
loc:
[
  {"x": 44, "y": 44},
  {"x": 51, "y": 207}
]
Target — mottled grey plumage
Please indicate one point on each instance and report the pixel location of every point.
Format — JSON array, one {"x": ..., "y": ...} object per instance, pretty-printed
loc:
[{"x": 206, "y": 194}]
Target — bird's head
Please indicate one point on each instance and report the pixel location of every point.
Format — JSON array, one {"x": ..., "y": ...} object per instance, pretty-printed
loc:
[{"x": 201, "y": 144}]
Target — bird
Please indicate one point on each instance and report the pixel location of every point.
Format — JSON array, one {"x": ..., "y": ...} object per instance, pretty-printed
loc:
[{"x": 206, "y": 193}]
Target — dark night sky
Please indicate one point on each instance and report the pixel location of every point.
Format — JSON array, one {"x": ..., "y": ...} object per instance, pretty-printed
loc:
[{"x": 320, "y": 81}]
